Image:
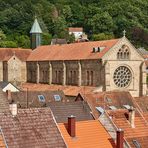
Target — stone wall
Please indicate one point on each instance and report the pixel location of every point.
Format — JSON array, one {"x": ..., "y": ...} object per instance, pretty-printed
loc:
[{"x": 86, "y": 72}]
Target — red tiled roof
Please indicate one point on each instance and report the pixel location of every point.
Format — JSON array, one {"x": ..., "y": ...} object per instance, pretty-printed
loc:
[
  {"x": 139, "y": 132},
  {"x": 89, "y": 134},
  {"x": 68, "y": 90},
  {"x": 2, "y": 143},
  {"x": 31, "y": 128},
  {"x": 75, "y": 29},
  {"x": 106, "y": 99},
  {"x": 74, "y": 51},
  {"x": 7, "y": 53}
]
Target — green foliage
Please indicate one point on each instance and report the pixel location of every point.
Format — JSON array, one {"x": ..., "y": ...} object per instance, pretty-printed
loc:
[
  {"x": 46, "y": 38},
  {"x": 95, "y": 16},
  {"x": 102, "y": 36},
  {"x": 10, "y": 44}
]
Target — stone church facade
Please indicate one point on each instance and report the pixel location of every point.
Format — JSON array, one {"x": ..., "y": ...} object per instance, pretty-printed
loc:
[{"x": 106, "y": 65}]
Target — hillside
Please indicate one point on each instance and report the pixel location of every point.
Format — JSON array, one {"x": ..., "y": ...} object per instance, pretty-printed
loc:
[{"x": 101, "y": 19}]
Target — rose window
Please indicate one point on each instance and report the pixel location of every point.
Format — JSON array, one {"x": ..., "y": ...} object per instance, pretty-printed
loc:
[{"x": 122, "y": 76}]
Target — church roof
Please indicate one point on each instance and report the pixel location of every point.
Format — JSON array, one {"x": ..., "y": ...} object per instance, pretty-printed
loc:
[
  {"x": 74, "y": 51},
  {"x": 7, "y": 53},
  {"x": 36, "y": 27}
]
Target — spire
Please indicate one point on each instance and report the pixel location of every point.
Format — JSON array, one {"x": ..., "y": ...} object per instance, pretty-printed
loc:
[{"x": 35, "y": 27}]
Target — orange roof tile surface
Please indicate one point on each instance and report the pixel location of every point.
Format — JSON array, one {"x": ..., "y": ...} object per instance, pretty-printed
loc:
[
  {"x": 89, "y": 134},
  {"x": 68, "y": 90},
  {"x": 7, "y": 53},
  {"x": 138, "y": 133},
  {"x": 107, "y": 99},
  {"x": 2, "y": 143},
  {"x": 74, "y": 51},
  {"x": 75, "y": 29}
]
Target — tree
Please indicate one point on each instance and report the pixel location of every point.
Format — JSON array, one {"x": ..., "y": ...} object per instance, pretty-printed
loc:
[{"x": 102, "y": 23}]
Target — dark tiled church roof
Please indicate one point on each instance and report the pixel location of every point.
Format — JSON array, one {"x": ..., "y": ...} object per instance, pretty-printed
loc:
[{"x": 62, "y": 110}]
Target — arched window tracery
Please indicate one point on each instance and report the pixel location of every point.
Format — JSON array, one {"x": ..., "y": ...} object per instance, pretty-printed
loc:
[{"x": 123, "y": 53}]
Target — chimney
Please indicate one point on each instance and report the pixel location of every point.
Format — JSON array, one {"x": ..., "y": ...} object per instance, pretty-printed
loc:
[
  {"x": 132, "y": 116},
  {"x": 9, "y": 95},
  {"x": 119, "y": 140},
  {"x": 13, "y": 109},
  {"x": 72, "y": 126}
]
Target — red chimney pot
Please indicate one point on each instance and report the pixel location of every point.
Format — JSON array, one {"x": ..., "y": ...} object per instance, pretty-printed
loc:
[
  {"x": 72, "y": 126},
  {"x": 120, "y": 140}
]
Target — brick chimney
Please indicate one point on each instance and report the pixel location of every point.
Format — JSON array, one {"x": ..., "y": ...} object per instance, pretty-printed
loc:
[
  {"x": 9, "y": 95},
  {"x": 132, "y": 116},
  {"x": 120, "y": 140},
  {"x": 13, "y": 109},
  {"x": 72, "y": 126}
]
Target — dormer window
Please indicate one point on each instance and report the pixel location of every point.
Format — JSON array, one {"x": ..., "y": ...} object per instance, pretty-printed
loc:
[
  {"x": 123, "y": 53},
  {"x": 98, "y": 49}
]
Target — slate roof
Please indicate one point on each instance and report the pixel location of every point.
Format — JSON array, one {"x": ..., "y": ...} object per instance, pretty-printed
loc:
[
  {"x": 7, "y": 53},
  {"x": 106, "y": 99},
  {"x": 31, "y": 128},
  {"x": 89, "y": 134},
  {"x": 4, "y": 105},
  {"x": 74, "y": 51},
  {"x": 61, "y": 110},
  {"x": 33, "y": 100},
  {"x": 58, "y": 41}
]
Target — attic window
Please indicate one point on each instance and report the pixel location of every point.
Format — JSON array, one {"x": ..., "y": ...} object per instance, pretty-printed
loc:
[
  {"x": 136, "y": 143},
  {"x": 100, "y": 110},
  {"x": 112, "y": 107},
  {"x": 98, "y": 49},
  {"x": 41, "y": 98},
  {"x": 57, "y": 98},
  {"x": 127, "y": 106}
]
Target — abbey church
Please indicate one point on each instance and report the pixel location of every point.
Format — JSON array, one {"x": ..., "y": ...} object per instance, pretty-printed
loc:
[{"x": 107, "y": 65}]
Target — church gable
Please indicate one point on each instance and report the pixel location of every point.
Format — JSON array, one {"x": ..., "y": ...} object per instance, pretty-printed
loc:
[{"x": 123, "y": 50}]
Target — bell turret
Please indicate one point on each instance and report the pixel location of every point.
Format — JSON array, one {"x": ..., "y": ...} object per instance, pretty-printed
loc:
[{"x": 35, "y": 34}]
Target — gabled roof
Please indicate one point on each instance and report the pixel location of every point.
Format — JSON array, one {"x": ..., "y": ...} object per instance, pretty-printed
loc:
[
  {"x": 35, "y": 27},
  {"x": 31, "y": 128},
  {"x": 74, "y": 51},
  {"x": 62, "y": 110},
  {"x": 138, "y": 133},
  {"x": 33, "y": 97},
  {"x": 7, "y": 53},
  {"x": 107, "y": 99},
  {"x": 89, "y": 134}
]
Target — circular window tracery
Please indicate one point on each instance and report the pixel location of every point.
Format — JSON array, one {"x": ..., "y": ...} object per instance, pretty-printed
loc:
[{"x": 122, "y": 76}]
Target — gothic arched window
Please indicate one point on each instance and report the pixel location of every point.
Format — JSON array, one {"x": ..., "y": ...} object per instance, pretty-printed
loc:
[{"x": 123, "y": 53}]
